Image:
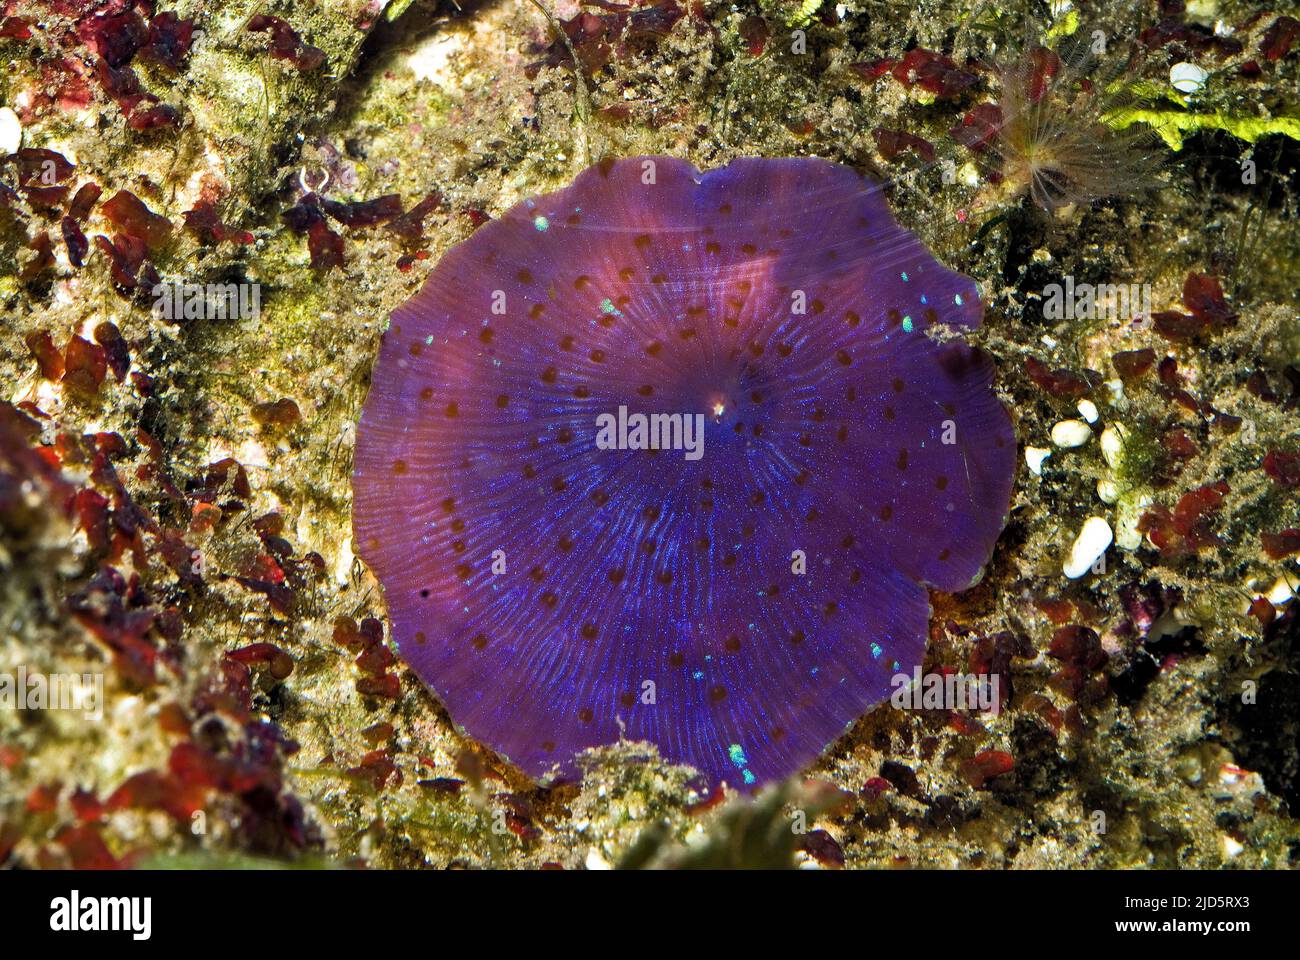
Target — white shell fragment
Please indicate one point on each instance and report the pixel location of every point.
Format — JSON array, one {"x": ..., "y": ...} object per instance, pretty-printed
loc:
[
  {"x": 1088, "y": 410},
  {"x": 1088, "y": 546},
  {"x": 343, "y": 566},
  {"x": 1280, "y": 592},
  {"x": 1107, "y": 490},
  {"x": 11, "y": 132},
  {"x": 1128, "y": 513},
  {"x": 1034, "y": 457},
  {"x": 1070, "y": 433},
  {"x": 1187, "y": 77}
]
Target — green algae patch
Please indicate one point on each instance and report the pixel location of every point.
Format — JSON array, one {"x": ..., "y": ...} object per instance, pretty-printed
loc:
[
  {"x": 1174, "y": 126},
  {"x": 803, "y": 16}
]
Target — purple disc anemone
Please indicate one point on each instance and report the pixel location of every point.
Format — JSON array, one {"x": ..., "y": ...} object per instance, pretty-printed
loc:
[{"x": 669, "y": 456}]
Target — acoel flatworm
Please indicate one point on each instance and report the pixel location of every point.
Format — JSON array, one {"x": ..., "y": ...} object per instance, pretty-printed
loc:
[{"x": 738, "y": 609}]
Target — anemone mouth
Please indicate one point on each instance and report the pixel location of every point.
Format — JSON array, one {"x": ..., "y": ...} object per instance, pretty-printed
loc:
[
  {"x": 1052, "y": 188},
  {"x": 741, "y": 592}
]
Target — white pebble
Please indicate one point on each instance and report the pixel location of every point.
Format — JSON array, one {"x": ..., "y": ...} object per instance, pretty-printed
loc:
[
  {"x": 1112, "y": 445},
  {"x": 1187, "y": 77},
  {"x": 1034, "y": 457},
  {"x": 1107, "y": 490},
  {"x": 11, "y": 132},
  {"x": 1088, "y": 546},
  {"x": 1070, "y": 433},
  {"x": 1088, "y": 410}
]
